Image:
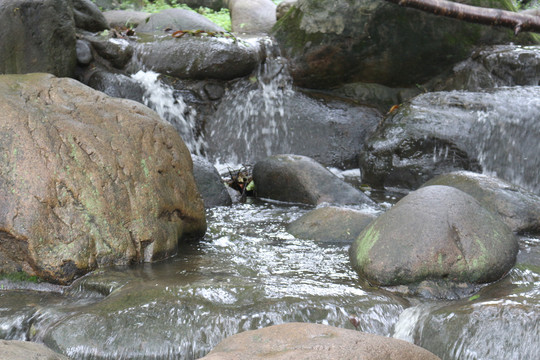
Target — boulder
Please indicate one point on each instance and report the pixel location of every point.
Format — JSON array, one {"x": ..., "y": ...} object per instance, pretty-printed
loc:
[
  {"x": 84, "y": 52},
  {"x": 330, "y": 223},
  {"x": 89, "y": 180},
  {"x": 209, "y": 183},
  {"x": 252, "y": 16},
  {"x": 176, "y": 19},
  {"x": 495, "y": 131},
  {"x": 111, "y": 52},
  {"x": 88, "y": 16},
  {"x": 300, "y": 179},
  {"x": 330, "y": 131},
  {"x": 24, "y": 350},
  {"x": 115, "y": 85},
  {"x": 436, "y": 232},
  {"x": 305, "y": 341},
  {"x": 330, "y": 42},
  {"x": 192, "y": 57},
  {"x": 125, "y": 18},
  {"x": 51, "y": 49},
  {"x": 490, "y": 67},
  {"x": 518, "y": 208}
]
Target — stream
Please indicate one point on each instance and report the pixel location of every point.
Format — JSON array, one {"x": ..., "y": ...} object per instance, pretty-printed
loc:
[{"x": 248, "y": 273}]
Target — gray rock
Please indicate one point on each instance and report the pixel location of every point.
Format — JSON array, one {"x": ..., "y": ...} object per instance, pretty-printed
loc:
[
  {"x": 252, "y": 16},
  {"x": 209, "y": 183},
  {"x": 435, "y": 233},
  {"x": 494, "y": 131},
  {"x": 115, "y": 85},
  {"x": 89, "y": 180},
  {"x": 113, "y": 52},
  {"x": 330, "y": 42},
  {"x": 330, "y": 223},
  {"x": 24, "y": 350},
  {"x": 303, "y": 341},
  {"x": 295, "y": 178},
  {"x": 125, "y": 18},
  {"x": 88, "y": 16},
  {"x": 25, "y": 50},
  {"x": 193, "y": 57},
  {"x": 490, "y": 67},
  {"x": 518, "y": 208},
  {"x": 84, "y": 52},
  {"x": 176, "y": 19}
]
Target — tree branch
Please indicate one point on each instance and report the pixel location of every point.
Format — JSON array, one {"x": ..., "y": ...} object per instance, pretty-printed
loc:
[{"x": 487, "y": 16}]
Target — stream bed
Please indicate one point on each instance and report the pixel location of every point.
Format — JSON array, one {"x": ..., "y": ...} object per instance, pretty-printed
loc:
[{"x": 248, "y": 273}]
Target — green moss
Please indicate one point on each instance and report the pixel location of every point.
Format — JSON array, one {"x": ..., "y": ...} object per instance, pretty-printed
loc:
[
  {"x": 364, "y": 243},
  {"x": 20, "y": 277}
]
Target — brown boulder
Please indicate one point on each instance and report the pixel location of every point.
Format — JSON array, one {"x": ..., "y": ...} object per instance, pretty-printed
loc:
[
  {"x": 87, "y": 180},
  {"x": 301, "y": 341},
  {"x": 25, "y": 350}
]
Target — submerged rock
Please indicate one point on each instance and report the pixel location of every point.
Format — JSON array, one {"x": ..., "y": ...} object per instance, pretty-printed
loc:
[
  {"x": 330, "y": 223},
  {"x": 330, "y": 42},
  {"x": 436, "y": 232},
  {"x": 495, "y": 130},
  {"x": 89, "y": 180},
  {"x": 295, "y": 178},
  {"x": 24, "y": 350},
  {"x": 304, "y": 341},
  {"x": 518, "y": 208},
  {"x": 37, "y": 36}
]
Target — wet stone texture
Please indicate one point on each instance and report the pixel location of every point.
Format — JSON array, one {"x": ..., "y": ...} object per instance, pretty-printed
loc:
[{"x": 87, "y": 180}]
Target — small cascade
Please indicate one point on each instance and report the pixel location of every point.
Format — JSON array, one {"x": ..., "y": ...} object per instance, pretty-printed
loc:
[
  {"x": 250, "y": 122},
  {"x": 405, "y": 327},
  {"x": 170, "y": 107}
]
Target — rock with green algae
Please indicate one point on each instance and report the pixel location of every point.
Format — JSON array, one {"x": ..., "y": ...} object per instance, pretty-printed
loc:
[
  {"x": 331, "y": 42},
  {"x": 435, "y": 233},
  {"x": 88, "y": 180}
]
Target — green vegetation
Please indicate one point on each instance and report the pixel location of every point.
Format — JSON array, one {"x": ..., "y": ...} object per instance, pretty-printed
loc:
[{"x": 19, "y": 277}]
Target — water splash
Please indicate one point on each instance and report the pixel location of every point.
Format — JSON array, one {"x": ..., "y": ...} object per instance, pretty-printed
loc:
[
  {"x": 250, "y": 120},
  {"x": 171, "y": 107}
]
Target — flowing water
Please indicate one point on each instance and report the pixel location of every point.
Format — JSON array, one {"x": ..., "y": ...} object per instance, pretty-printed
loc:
[{"x": 248, "y": 273}]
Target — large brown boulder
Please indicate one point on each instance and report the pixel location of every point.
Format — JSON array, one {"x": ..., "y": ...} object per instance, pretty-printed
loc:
[
  {"x": 435, "y": 233},
  {"x": 37, "y": 36},
  {"x": 88, "y": 180},
  {"x": 302, "y": 341}
]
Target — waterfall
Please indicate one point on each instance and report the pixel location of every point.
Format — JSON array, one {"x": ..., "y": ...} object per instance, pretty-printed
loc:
[
  {"x": 250, "y": 122},
  {"x": 170, "y": 107}
]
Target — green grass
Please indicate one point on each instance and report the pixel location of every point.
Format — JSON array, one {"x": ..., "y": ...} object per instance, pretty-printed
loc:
[{"x": 19, "y": 277}]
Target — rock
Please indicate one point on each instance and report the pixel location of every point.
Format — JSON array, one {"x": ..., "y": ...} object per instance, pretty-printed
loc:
[
  {"x": 209, "y": 183},
  {"x": 490, "y": 67},
  {"x": 24, "y": 350},
  {"x": 330, "y": 224},
  {"x": 115, "y": 85},
  {"x": 88, "y": 16},
  {"x": 284, "y": 7},
  {"x": 25, "y": 50},
  {"x": 332, "y": 42},
  {"x": 252, "y": 16},
  {"x": 304, "y": 341},
  {"x": 125, "y": 18},
  {"x": 176, "y": 19},
  {"x": 295, "y": 178},
  {"x": 112, "y": 52},
  {"x": 84, "y": 53},
  {"x": 435, "y": 133},
  {"x": 212, "y": 4},
  {"x": 89, "y": 180},
  {"x": 518, "y": 208},
  {"x": 436, "y": 232},
  {"x": 193, "y": 57},
  {"x": 330, "y": 131}
]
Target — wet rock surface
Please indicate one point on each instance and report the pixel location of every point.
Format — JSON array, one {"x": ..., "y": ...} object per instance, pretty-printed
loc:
[
  {"x": 314, "y": 341},
  {"x": 89, "y": 180},
  {"x": 209, "y": 183},
  {"x": 436, "y": 232},
  {"x": 330, "y": 223},
  {"x": 295, "y": 178},
  {"x": 22, "y": 350},
  {"x": 518, "y": 208}
]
